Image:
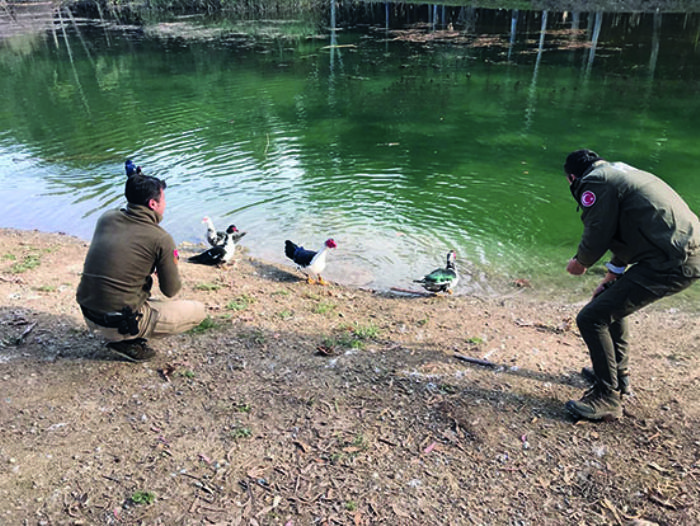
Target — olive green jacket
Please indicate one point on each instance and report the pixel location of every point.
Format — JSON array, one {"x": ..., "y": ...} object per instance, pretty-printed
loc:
[
  {"x": 127, "y": 247},
  {"x": 638, "y": 217}
]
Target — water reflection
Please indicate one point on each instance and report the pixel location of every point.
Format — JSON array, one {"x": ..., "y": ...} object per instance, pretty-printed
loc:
[
  {"x": 654, "y": 44},
  {"x": 530, "y": 110},
  {"x": 513, "y": 28},
  {"x": 425, "y": 129},
  {"x": 594, "y": 43}
]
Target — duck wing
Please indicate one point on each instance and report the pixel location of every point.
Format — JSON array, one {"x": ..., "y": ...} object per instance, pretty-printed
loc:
[
  {"x": 212, "y": 256},
  {"x": 216, "y": 238},
  {"x": 236, "y": 236},
  {"x": 298, "y": 254}
]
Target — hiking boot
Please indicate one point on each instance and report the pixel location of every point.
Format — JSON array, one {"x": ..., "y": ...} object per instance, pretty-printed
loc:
[
  {"x": 623, "y": 380},
  {"x": 598, "y": 403},
  {"x": 136, "y": 351}
]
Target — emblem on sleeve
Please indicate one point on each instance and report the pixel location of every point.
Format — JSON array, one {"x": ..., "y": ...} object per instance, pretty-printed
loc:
[
  {"x": 588, "y": 198},
  {"x": 176, "y": 256}
]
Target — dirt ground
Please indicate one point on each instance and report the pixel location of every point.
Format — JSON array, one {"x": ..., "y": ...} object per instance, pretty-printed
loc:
[{"x": 297, "y": 404}]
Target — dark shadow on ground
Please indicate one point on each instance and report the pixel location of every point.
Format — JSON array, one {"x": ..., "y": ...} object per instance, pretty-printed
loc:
[
  {"x": 27, "y": 333},
  {"x": 273, "y": 273}
]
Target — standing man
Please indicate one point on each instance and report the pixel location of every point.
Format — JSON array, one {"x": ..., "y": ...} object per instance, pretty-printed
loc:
[
  {"x": 654, "y": 239},
  {"x": 127, "y": 248}
]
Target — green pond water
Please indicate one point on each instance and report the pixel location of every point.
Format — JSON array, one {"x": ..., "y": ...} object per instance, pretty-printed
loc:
[{"x": 401, "y": 138}]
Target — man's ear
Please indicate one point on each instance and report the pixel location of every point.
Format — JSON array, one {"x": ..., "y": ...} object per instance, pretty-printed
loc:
[{"x": 152, "y": 204}]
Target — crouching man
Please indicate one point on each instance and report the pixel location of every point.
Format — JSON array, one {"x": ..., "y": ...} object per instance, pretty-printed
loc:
[
  {"x": 128, "y": 246},
  {"x": 654, "y": 239}
]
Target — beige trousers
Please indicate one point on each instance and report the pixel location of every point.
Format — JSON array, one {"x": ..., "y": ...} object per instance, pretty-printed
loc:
[{"x": 160, "y": 318}]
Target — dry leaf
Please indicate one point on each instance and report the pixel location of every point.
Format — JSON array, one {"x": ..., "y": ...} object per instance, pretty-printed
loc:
[
  {"x": 400, "y": 512},
  {"x": 302, "y": 445}
]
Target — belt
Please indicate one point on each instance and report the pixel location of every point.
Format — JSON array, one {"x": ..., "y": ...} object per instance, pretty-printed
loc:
[{"x": 126, "y": 321}]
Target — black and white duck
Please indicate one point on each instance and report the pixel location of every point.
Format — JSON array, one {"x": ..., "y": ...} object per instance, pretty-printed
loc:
[
  {"x": 223, "y": 246},
  {"x": 216, "y": 238}
]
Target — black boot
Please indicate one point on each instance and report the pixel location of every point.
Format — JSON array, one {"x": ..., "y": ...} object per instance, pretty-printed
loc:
[
  {"x": 136, "y": 351},
  {"x": 598, "y": 403}
]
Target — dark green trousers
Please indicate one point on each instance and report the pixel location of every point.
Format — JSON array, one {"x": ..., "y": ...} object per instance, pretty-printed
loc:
[{"x": 603, "y": 324}]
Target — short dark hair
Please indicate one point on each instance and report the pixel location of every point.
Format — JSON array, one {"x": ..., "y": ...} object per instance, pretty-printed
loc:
[
  {"x": 579, "y": 161},
  {"x": 140, "y": 189}
]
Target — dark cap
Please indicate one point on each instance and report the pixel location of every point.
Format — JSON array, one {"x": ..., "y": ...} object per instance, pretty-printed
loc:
[{"x": 579, "y": 161}]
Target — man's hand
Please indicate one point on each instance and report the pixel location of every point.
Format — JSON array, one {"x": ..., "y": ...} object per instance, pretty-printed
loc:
[
  {"x": 575, "y": 268},
  {"x": 608, "y": 280}
]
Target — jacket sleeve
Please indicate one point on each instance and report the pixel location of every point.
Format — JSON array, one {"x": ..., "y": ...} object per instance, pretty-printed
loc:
[
  {"x": 600, "y": 204},
  {"x": 167, "y": 267}
]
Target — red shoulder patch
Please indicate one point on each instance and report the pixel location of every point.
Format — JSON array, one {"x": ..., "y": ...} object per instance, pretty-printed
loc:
[
  {"x": 176, "y": 256},
  {"x": 588, "y": 198}
]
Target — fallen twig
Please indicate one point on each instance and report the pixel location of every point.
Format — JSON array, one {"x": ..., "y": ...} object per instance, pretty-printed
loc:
[
  {"x": 477, "y": 361},
  {"x": 22, "y": 336},
  {"x": 193, "y": 506},
  {"x": 414, "y": 292},
  {"x": 605, "y": 503},
  {"x": 661, "y": 502}
]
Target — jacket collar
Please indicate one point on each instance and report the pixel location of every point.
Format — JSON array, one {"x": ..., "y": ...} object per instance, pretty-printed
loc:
[
  {"x": 593, "y": 166},
  {"x": 142, "y": 213},
  {"x": 575, "y": 187}
]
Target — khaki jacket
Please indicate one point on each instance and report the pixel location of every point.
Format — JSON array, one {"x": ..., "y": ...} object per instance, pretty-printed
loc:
[
  {"x": 638, "y": 217},
  {"x": 128, "y": 246}
]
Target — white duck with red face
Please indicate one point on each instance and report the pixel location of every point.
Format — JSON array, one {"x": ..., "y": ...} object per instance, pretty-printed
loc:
[{"x": 310, "y": 262}]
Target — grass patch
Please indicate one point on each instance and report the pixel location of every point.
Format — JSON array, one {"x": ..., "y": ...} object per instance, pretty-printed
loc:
[
  {"x": 143, "y": 497},
  {"x": 344, "y": 340},
  {"x": 285, "y": 314},
  {"x": 312, "y": 296},
  {"x": 240, "y": 432},
  {"x": 206, "y": 325},
  {"x": 28, "y": 263},
  {"x": 349, "y": 450},
  {"x": 475, "y": 340},
  {"x": 365, "y": 332},
  {"x": 187, "y": 373},
  {"x": 353, "y": 337},
  {"x": 324, "y": 307},
  {"x": 240, "y": 303},
  {"x": 45, "y": 288},
  {"x": 10, "y": 257},
  {"x": 359, "y": 441},
  {"x": 207, "y": 286},
  {"x": 243, "y": 408},
  {"x": 256, "y": 336}
]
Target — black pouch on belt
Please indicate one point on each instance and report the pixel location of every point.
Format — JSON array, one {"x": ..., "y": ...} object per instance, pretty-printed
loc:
[
  {"x": 126, "y": 321},
  {"x": 130, "y": 322}
]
